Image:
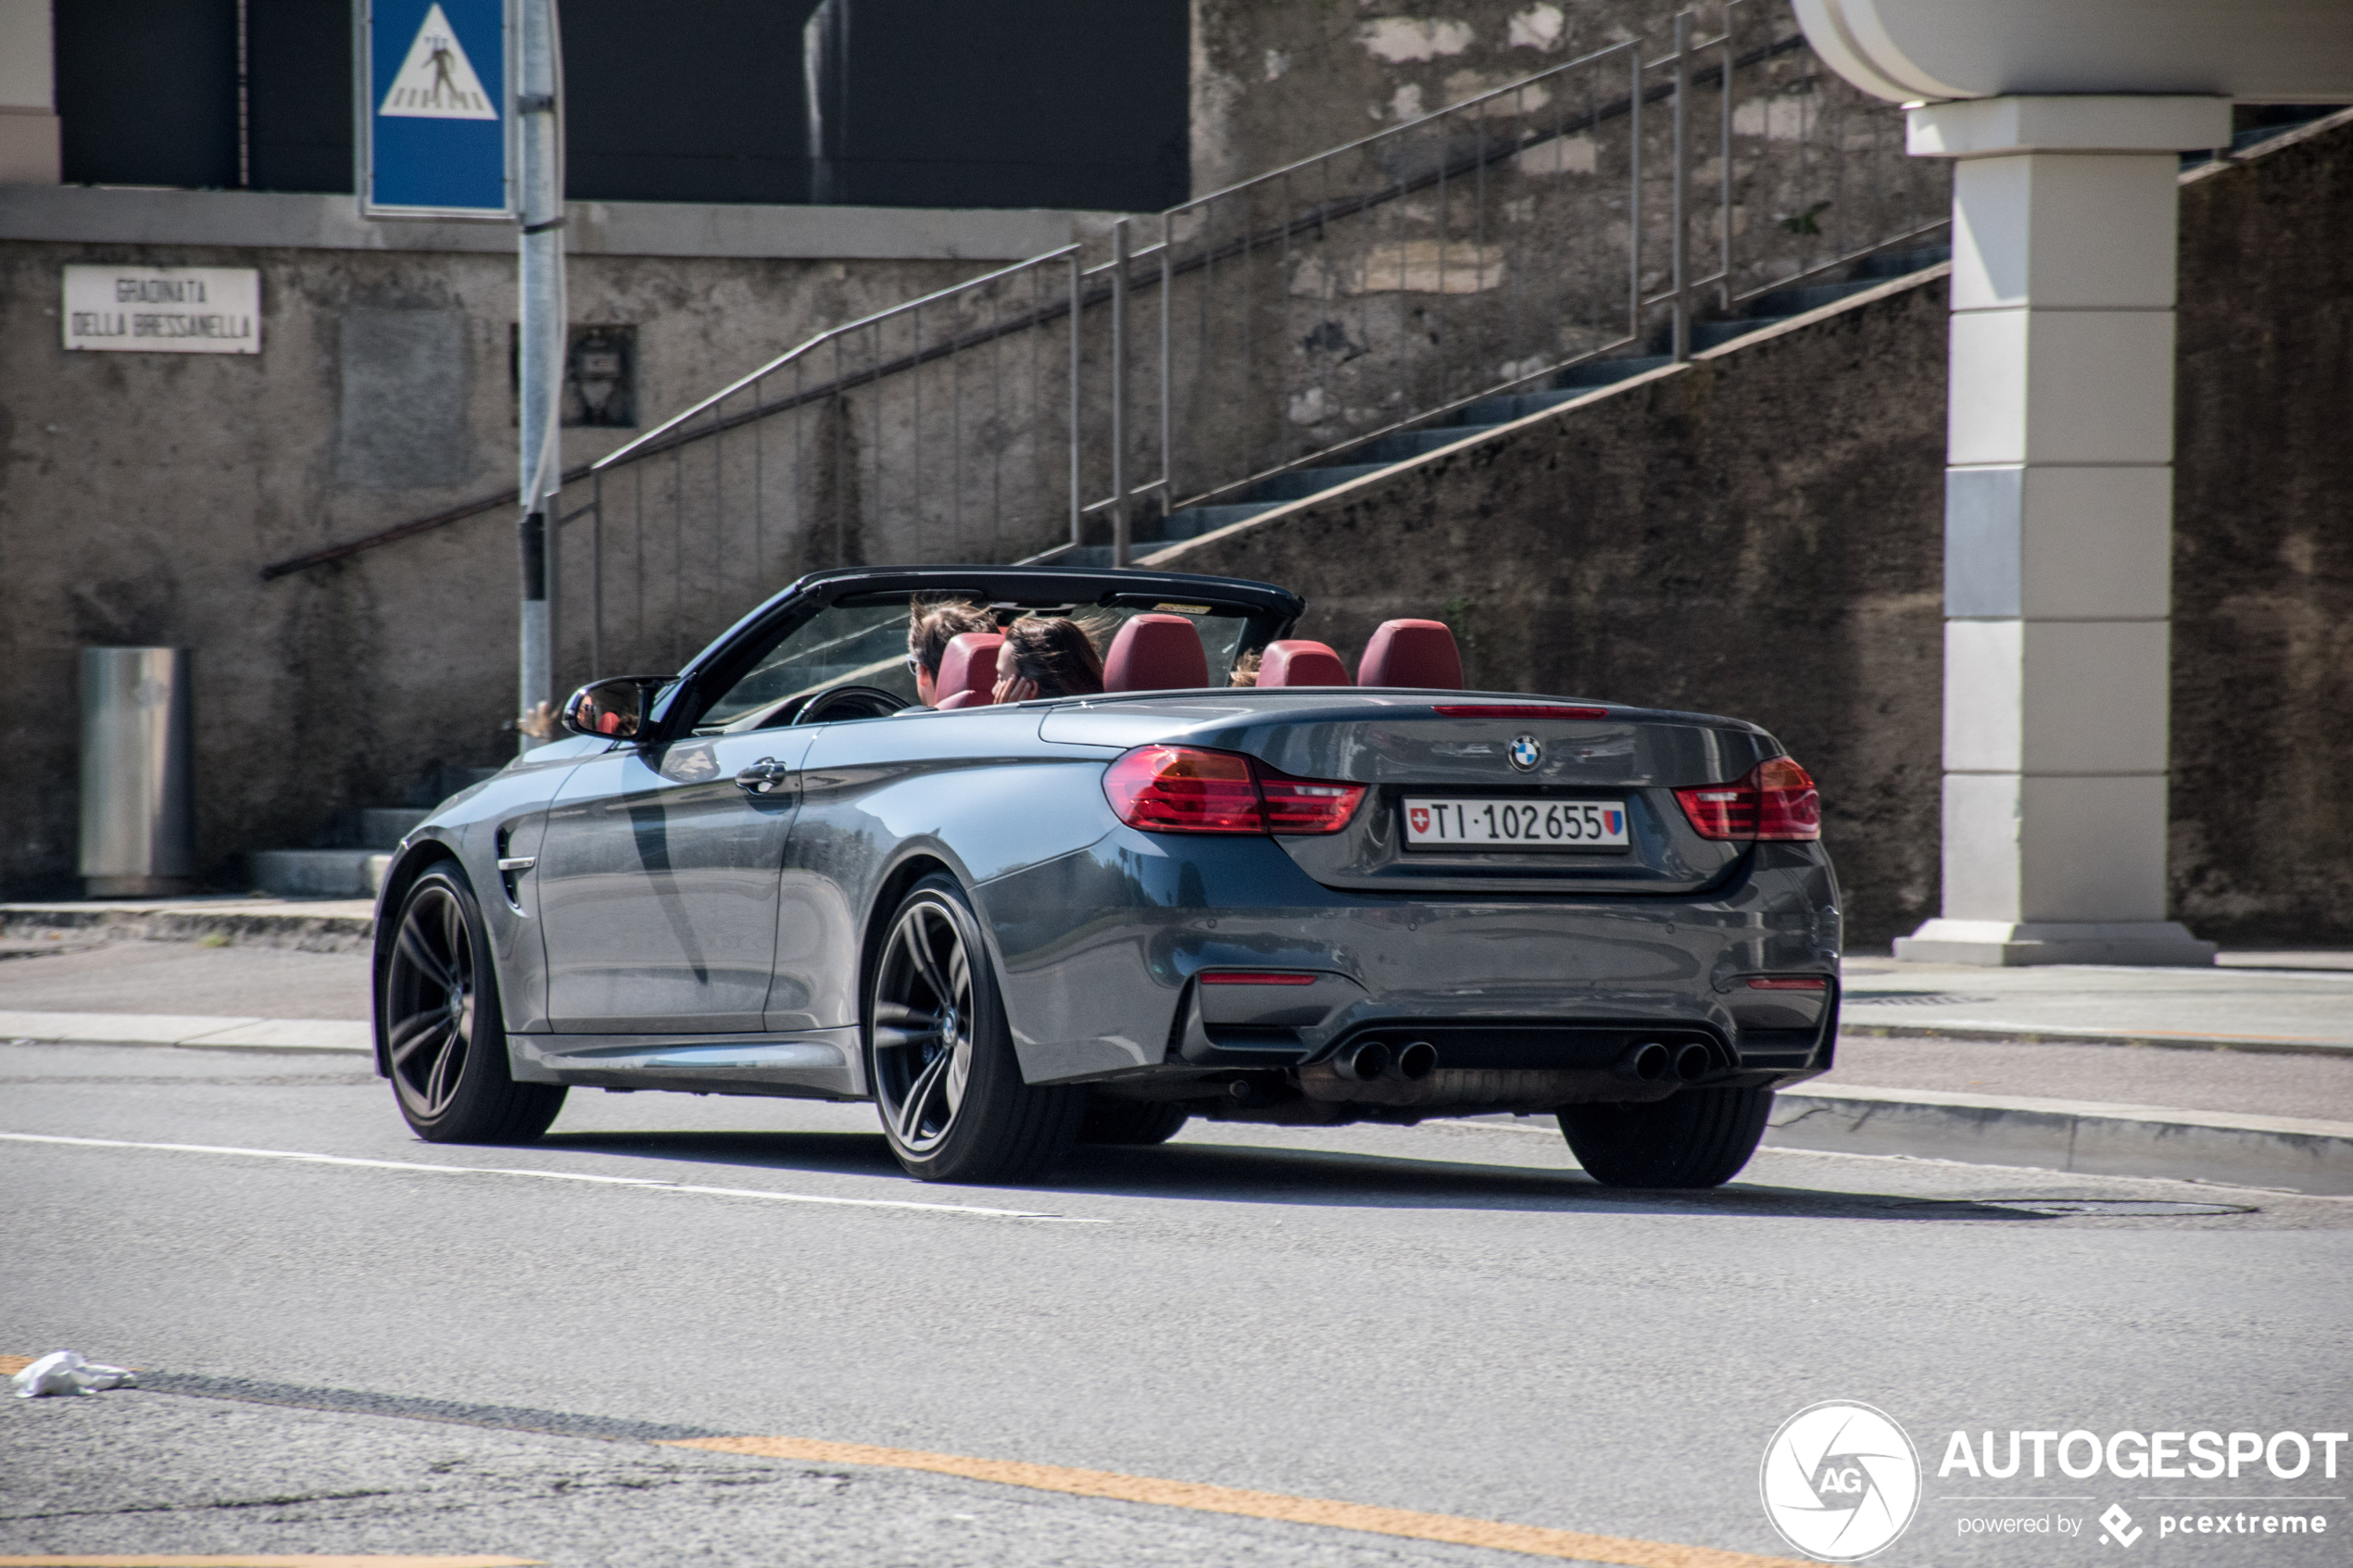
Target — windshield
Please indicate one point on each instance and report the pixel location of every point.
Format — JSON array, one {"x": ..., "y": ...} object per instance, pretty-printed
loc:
[{"x": 866, "y": 645}]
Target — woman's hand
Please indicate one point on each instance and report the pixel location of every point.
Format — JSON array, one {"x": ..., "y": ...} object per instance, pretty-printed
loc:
[
  {"x": 1014, "y": 688},
  {"x": 539, "y": 723}
]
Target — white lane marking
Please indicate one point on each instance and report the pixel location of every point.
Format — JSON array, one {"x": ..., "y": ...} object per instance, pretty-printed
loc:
[{"x": 969, "y": 1209}]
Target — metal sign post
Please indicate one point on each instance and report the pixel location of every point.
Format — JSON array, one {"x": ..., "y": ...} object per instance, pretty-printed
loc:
[
  {"x": 458, "y": 119},
  {"x": 542, "y": 335}
]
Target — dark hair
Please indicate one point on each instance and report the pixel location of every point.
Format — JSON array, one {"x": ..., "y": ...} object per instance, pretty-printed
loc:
[
  {"x": 931, "y": 627},
  {"x": 1057, "y": 654}
]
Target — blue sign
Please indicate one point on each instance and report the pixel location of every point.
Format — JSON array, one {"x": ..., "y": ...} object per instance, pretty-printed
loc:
[{"x": 437, "y": 139}]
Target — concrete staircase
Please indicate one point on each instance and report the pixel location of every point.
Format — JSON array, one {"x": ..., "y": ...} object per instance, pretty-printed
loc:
[
  {"x": 352, "y": 865},
  {"x": 1488, "y": 413}
]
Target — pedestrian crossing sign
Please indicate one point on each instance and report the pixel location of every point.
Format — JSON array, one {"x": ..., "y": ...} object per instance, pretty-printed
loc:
[{"x": 438, "y": 139}]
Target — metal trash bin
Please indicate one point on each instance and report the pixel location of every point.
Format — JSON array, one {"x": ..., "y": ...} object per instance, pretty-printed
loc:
[{"x": 138, "y": 818}]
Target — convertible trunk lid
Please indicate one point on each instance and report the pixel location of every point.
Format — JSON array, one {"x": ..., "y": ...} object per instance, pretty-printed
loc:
[{"x": 1506, "y": 771}]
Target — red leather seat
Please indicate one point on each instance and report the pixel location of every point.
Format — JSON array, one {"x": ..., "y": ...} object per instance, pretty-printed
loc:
[
  {"x": 1300, "y": 663},
  {"x": 1411, "y": 653},
  {"x": 967, "y": 670},
  {"x": 1156, "y": 653}
]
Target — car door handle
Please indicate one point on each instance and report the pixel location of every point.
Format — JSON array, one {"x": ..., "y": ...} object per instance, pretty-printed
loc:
[{"x": 763, "y": 777}]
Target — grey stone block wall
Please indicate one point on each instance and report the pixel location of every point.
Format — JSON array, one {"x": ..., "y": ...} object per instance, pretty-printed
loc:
[
  {"x": 142, "y": 494},
  {"x": 1761, "y": 534}
]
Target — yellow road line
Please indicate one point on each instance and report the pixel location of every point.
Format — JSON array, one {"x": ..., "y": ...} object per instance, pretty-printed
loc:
[
  {"x": 260, "y": 1559},
  {"x": 1527, "y": 1540}
]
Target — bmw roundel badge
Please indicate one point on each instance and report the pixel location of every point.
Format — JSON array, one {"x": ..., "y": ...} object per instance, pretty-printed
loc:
[{"x": 1526, "y": 752}]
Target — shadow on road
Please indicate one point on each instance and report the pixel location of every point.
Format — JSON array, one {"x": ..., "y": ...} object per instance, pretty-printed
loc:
[{"x": 1304, "y": 1177}]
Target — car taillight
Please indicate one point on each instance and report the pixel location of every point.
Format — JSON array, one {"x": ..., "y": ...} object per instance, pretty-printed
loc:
[
  {"x": 1305, "y": 805},
  {"x": 1185, "y": 789},
  {"x": 1776, "y": 800},
  {"x": 1788, "y": 982},
  {"x": 1179, "y": 789}
]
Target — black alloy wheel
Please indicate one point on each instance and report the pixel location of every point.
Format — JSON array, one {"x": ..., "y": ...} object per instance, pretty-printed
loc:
[
  {"x": 1693, "y": 1138},
  {"x": 444, "y": 1036},
  {"x": 940, "y": 1056}
]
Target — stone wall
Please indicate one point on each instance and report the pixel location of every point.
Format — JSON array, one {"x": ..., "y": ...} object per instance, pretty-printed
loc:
[
  {"x": 2262, "y": 834},
  {"x": 1681, "y": 542},
  {"x": 141, "y": 495},
  {"x": 1759, "y": 532},
  {"x": 1274, "y": 83}
]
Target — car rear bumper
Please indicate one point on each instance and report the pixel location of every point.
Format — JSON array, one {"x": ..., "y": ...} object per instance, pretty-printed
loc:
[{"x": 1105, "y": 955}]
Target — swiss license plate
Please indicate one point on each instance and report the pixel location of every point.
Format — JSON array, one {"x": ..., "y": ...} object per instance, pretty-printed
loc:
[{"x": 1515, "y": 824}]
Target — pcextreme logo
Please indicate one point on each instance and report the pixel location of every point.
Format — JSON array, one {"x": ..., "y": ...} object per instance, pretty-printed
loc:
[{"x": 1840, "y": 1481}]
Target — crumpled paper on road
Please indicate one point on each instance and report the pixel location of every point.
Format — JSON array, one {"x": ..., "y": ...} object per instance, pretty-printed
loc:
[{"x": 66, "y": 1372}]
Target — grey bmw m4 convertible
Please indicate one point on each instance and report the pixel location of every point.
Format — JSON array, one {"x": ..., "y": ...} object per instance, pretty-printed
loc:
[{"x": 1017, "y": 925}]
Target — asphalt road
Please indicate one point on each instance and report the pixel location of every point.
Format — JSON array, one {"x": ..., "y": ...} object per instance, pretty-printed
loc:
[
  {"x": 178, "y": 978},
  {"x": 1447, "y": 1319}
]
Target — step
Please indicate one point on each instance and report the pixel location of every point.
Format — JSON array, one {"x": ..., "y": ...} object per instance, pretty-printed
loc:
[
  {"x": 1606, "y": 373},
  {"x": 1900, "y": 263},
  {"x": 1194, "y": 521},
  {"x": 1415, "y": 443},
  {"x": 1810, "y": 296},
  {"x": 318, "y": 873},
  {"x": 1300, "y": 483},
  {"x": 1517, "y": 406},
  {"x": 1715, "y": 335}
]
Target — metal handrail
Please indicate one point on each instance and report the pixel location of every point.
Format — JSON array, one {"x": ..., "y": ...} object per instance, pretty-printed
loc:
[
  {"x": 645, "y": 445},
  {"x": 1479, "y": 251}
]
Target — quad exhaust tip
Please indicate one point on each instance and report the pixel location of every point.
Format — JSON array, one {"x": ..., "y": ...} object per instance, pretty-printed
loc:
[
  {"x": 1415, "y": 1061},
  {"x": 1654, "y": 1061},
  {"x": 1368, "y": 1059},
  {"x": 1645, "y": 1064}
]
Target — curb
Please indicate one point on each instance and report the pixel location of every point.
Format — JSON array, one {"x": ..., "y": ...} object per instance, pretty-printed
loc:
[
  {"x": 2035, "y": 1034},
  {"x": 203, "y": 1032},
  {"x": 340, "y": 929},
  {"x": 2082, "y": 1136}
]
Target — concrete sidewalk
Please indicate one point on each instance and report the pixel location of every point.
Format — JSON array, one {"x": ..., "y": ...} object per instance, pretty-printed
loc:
[
  {"x": 2241, "y": 1073},
  {"x": 2234, "y": 1006}
]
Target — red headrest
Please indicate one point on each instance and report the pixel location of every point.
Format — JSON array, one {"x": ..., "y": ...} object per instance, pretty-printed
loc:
[
  {"x": 963, "y": 699},
  {"x": 1291, "y": 663},
  {"x": 967, "y": 666},
  {"x": 1411, "y": 653},
  {"x": 1156, "y": 653}
]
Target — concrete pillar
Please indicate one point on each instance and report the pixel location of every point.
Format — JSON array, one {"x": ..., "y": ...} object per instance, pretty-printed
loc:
[
  {"x": 28, "y": 95},
  {"x": 2058, "y": 515}
]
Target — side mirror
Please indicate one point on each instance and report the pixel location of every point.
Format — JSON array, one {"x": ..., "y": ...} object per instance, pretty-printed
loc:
[{"x": 614, "y": 708}]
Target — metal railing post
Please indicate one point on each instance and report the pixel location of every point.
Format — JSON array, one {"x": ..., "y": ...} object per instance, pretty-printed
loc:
[
  {"x": 1077, "y": 313},
  {"x": 1724, "y": 167},
  {"x": 1634, "y": 190},
  {"x": 1167, "y": 387},
  {"x": 1680, "y": 282},
  {"x": 1119, "y": 529}
]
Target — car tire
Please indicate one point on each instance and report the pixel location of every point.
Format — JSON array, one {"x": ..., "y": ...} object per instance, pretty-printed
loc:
[
  {"x": 940, "y": 1052},
  {"x": 445, "y": 1033},
  {"x": 1133, "y": 1122},
  {"x": 1693, "y": 1138}
]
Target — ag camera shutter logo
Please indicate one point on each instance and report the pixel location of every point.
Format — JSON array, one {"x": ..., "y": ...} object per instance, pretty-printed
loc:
[{"x": 1840, "y": 1481}]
